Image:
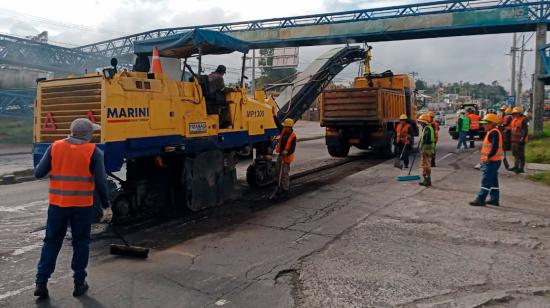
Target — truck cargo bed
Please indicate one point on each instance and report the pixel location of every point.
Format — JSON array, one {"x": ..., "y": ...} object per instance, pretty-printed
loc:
[{"x": 361, "y": 105}]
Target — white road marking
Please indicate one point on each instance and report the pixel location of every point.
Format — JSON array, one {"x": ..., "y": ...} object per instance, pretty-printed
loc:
[
  {"x": 12, "y": 293},
  {"x": 442, "y": 158},
  {"x": 22, "y": 250}
]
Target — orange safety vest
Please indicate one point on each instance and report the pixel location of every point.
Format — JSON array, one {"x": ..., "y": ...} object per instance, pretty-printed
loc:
[
  {"x": 287, "y": 159},
  {"x": 71, "y": 182},
  {"x": 486, "y": 147},
  {"x": 403, "y": 133},
  {"x": 517, "y": 128},
  {"x": 474, "y": 121},
  {"x": 435, "y": 125}
]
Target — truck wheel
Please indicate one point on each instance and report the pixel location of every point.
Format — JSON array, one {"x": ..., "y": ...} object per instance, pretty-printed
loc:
[
  {"x": 388, "y": 150},
  {"x": 339, "y": 150}
]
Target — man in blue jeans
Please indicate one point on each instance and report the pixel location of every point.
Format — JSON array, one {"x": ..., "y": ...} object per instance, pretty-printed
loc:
[
  {"x": 491, "y": 157},
  {"x": 463, "y": 128},
  {"x": 76, "y": 170}
]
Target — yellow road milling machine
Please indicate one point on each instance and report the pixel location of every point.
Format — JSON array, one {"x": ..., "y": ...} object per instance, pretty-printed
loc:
[{"x": 176, "y": 141}]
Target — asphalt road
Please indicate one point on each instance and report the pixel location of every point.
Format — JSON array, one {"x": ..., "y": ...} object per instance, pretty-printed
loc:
[{"x": 349, "y": 237}]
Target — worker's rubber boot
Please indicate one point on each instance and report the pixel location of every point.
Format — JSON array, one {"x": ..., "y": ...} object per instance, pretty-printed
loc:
[
  {"x": 80, "y": 289},
  {"x": 424, "y": 183},
  {"x": 429, "y": 181},
  {"x": 41, "y": 290},
  {"x": 495, "y": 203},
  {"x": 476, "y": 203}
]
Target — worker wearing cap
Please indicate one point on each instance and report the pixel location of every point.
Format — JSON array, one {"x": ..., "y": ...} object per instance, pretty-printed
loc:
[
  {"x": 285, "y": 148},
  {"x": 506, "y": 128},
  {"x": 76, "y": 170},
  {"x": 462, "y": 127},
  {"x": 426, "y": 148},
  {"x": 492, "y": 154},
  {"x": 404, "y": 136},
  {"x": 519, "y": 130},
  {"x": 502, "y": 113},
  {"x": 435, "y": 125},
  {"x": 474, "y": 126}
]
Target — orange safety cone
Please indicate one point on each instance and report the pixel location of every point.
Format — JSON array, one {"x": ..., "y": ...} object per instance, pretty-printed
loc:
[{"x": 156, "y": 67}]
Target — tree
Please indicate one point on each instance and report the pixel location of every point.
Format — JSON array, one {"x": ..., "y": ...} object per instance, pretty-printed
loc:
[
  {"x": 421, "y": 84},
  {"x": 270, "y": 74}
]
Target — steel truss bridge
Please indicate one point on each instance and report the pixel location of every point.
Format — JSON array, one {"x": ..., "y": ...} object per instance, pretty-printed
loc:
[{"x": 414, "y": 21}]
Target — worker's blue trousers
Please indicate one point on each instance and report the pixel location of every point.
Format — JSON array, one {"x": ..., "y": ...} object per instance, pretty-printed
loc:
[
  {"x": 462, "y": 140},
  {"x": 80, "y": 220},
  {"x": 489, "y": 182}
]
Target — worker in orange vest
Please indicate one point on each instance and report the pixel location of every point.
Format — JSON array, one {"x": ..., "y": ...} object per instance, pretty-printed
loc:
[
  {"x": 474, "y": 126},
  {"x": 502, "y": 113},
  {"x": 403, "y": 139},
  {"x": 506, "y": 128},
  {"x": 435, "y": 125},
  {"x": 519, "y": 130},
  {"x": 76, "y": 170},
  {"x": 286, "y": 148},
  {"x": 491, "y": 159}
]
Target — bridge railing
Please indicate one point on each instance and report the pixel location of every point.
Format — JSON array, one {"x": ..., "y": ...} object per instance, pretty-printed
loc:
[{"x": 538, "y": 11}]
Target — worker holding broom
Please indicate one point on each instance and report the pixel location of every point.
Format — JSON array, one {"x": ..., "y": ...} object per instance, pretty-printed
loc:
[
  {"x": 426, "y": 148},
  {"x": 492, "y": 154},
  {"x": 76, "y": 170},
  {"x": 403, "y": 141},
  {"x": 285, "y": 148}
]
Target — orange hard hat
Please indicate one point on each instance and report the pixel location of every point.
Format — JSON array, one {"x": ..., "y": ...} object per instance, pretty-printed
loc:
[{"x": 491, "y": 117}]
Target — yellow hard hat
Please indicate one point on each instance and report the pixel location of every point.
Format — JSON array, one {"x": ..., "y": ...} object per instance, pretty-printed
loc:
[
  {"x": 431, "y": 114},
  {"x": 517, "y": 109},
  {"x": 288, "y": 123},
  {"x": 403, "y": 117},
  {"x": 508, "y": 110},
  {"x": 425, "y": 118},
  {"x": 491, "y": 117}
]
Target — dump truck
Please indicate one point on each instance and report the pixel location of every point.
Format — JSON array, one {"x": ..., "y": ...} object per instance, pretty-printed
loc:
[{"x": 365, "y": 116}]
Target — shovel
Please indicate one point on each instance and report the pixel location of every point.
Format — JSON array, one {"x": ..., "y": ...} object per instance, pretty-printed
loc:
[{"x": 399, "y": 163}]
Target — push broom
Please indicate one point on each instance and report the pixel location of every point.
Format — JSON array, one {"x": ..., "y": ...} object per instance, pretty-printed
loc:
[
  {"x": 126, "y": 250},
  {"x": 410, "y": 177}
]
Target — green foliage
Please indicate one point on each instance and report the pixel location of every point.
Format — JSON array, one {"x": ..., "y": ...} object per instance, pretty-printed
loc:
[
  {"x": 542, "y": 177},
  {"x": 15, "y": 131},
  {"x": 538, "y": 150},
  {"x": 421, "y": 84},
  {"x": 494, "y": 91}
]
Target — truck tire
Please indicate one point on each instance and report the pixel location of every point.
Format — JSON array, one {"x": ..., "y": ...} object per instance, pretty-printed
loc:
[
  {"x": 339, "y": 150},
  {"x": 388, "y": 150}
]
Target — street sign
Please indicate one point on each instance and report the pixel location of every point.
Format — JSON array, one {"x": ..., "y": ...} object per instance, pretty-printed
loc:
[{"x": 511, "y": 101}]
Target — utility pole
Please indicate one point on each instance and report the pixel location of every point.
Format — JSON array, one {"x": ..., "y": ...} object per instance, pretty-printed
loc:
[
  {"x": 538, "y": 90},
  {"x": 513, "y": 76},
  {"x": 520, "y": 74}
]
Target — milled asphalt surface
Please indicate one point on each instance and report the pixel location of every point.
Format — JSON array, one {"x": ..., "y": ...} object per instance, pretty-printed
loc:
[{"x": 364, "y": 241}]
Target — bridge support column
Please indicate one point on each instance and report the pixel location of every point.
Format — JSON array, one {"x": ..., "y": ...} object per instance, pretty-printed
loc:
[{"x": 538, "y": 85}]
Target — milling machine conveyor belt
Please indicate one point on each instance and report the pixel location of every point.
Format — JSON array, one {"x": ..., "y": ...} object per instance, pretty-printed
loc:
[{"x": 295, "y": 99}]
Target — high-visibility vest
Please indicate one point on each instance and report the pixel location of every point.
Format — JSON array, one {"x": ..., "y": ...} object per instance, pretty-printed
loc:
[
  {"x": 429, "y": 148},
  {"x": 474, "y": 121},
  {"x": 435, "y": 125},
  {"x": 403, "y": 133},
  {"x": 465, "y": 124},
  {"x": 487, "y": 146},
  {"x": 517, "y": 128},
  {"x": 71, "y": 182},
  {"x": 287, "y": 159}
]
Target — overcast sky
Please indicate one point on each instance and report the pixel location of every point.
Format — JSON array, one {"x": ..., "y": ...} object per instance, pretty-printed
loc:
[{"x": 73, "y": 23}]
